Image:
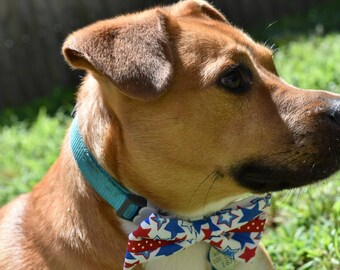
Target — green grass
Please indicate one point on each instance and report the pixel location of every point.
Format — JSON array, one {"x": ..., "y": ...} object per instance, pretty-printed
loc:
[
  {"x": 306, "y": 221},
  {"x": 306, "y": 232},
  {"x": 311, "y": 62},
  {"x": 28, "y": 150}
]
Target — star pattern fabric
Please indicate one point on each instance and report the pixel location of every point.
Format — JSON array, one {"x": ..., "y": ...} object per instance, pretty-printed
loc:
[{"x": 234, "y": 231}]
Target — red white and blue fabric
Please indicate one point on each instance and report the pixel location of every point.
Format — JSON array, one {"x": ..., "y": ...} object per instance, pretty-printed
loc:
[{"x": 234, "y": 231}]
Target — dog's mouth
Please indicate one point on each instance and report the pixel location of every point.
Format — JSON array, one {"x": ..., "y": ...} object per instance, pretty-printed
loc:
[{"x": 261, "y": 177}]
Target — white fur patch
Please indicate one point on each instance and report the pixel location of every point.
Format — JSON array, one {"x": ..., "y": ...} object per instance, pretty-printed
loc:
[
  {"x": 11, "y": 234},
  {"x": 192, "y": 258}
]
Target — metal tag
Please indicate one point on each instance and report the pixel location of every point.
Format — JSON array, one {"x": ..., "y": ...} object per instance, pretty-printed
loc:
[{"x": 220, "y": 261}]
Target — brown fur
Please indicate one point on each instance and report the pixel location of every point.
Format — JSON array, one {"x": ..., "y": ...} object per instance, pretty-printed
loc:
[{"x": 151, "y": 113}]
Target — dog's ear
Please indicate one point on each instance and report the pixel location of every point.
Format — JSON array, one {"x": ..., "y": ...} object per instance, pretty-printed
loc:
[
  {"x": 133, "y": 52},
  {"x": 198, "y": 8}
]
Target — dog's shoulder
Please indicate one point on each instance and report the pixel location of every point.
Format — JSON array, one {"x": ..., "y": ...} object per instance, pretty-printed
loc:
[
  {"x": 11, "y": 233},
  {"x": 17, "y": 248}
]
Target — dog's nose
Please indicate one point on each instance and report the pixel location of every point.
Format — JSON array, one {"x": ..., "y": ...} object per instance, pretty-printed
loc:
[{"x": 334, "y": 113}]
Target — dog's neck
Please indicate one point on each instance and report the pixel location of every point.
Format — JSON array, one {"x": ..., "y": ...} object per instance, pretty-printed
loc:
[
  {"x": 95, "y": 119},
  {"x": 86, "y": 226}
]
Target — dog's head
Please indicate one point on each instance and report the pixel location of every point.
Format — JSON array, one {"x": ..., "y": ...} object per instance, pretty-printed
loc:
[{"x": 201, "y": 110}]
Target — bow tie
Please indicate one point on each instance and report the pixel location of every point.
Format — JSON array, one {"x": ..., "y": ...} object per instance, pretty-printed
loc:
[{"x": 234, "y": 231}]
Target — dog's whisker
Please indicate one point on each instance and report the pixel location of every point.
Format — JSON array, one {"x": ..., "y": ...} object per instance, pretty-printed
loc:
[
  {"x": 288, "y": 196},
  {"x": 197, "y": 188},
  {"x": 207, "y": 194},
  {"x": 298, "y": 193},
  {"x": 298, "y": 157},
  {"x": 286, "y": 160},
  {"x": 283, "y": 148},
  {"x": 269, "y": 147},
  {"x": 311, "y": 169},
  {"x": 278, "y": 153},
  {"x": 270, "y": 25}
]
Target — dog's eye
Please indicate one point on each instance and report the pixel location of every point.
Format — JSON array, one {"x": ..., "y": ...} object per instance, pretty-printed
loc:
[{"x": 236, "y": 79}]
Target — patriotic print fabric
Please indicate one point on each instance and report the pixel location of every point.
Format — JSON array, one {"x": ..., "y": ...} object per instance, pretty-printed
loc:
[{"x": 235, "y": 232}]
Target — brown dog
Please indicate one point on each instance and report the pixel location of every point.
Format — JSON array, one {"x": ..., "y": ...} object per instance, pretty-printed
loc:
[{"x": 183, "y": 109}]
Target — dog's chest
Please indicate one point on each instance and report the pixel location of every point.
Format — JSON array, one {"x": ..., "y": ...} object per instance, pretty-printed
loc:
[{"x": 192, "y": 258}]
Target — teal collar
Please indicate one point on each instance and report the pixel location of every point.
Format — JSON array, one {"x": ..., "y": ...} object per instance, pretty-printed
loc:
[{"x": 126, "y": 204}]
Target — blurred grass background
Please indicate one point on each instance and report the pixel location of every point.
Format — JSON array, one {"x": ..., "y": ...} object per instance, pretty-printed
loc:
[{"x": 305, "y": 228}]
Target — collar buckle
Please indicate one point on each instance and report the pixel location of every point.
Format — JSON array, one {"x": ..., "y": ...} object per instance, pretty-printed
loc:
[{"x": 131, "y": 206}]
